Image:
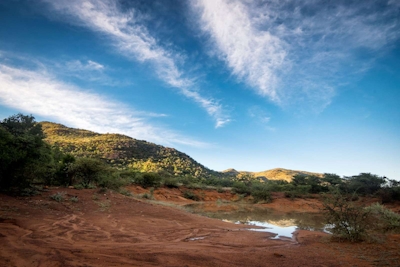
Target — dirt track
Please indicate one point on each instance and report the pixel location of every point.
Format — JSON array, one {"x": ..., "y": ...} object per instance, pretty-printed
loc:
[{"x": 114, "y": 230}]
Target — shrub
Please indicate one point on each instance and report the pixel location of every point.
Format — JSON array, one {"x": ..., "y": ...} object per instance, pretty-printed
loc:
[
  {"x": 59, "y": 196},
  {"x": 300, "y": 191},
  {"x": 191, "y": 195},
  {"x": 348, "y": 220},
  {"x": 389, "y": 194},
  {"x": 241, "y": 188},
  {"x": 79, "y": 186},
  {"x": 171, "y": 182},
  {"x": 112, "y": 180},
  {"x": 74, "y": 199},
  {"x": 87, "y": 171},
  {"x": 125, "y": 192},
  {"x": 261, "y": 195},
  {"x": 149, "y": 195},
  {"x": 148, "y": 180},
  {"x": 261, "y": 192},
  {"x": 383, "y": 218}
]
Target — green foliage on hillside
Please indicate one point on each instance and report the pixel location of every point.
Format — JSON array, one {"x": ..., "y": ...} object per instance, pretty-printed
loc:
[{"x": 124, "y": 152}]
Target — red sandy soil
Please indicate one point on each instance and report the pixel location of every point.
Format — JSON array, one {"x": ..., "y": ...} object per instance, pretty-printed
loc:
[{"x": 110, "y": 229}]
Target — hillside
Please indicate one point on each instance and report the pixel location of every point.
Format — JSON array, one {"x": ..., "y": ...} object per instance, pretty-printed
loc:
[
  {"x": 123, "y": 151},
  {"x": 283, "y": 174},
  {"x": 274, "y": 174}
]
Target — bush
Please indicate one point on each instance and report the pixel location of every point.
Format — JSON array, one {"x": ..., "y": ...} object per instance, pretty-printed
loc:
[
  {"x": 191, "y": 195},
  {"x": 74, "y": 199},
  {"x": 300, "y": 191},
  {"x": 87, "y": 171},
  {"x": 348, "y": 220},
  {"x": 241, "y": 188},
  {"x": 389, "y": 194},
  {"x": 149, "y": 195},
  {"x": 125, "y": 192},
  {"x": 148, "y": 180},
  {"x": 112, "y": 180},
  {"x": 59, "y": 196},
  {"x": 313, "y": 183},
  {"x": 171, "y": 182},
  {"x": 261, "y": 195},
  {"x": 222, "y": 182},
  {"x": 79, "y": 186},
  {"x": 383, "y": 218}
]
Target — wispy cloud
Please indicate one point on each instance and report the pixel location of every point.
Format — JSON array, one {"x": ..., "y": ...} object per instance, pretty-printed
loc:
[
  {"x": 38, "y": 92},
  {"x": 254, "y": 56},
  {"x": 261, "y": 117},
  {"x": 133, "y": 40},
  {"x": 89, "y": 65},
  {"x": 293, "y": 51}
]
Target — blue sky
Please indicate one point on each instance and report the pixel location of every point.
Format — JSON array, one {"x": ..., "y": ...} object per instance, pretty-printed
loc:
[{"x": 245, "y": 84}]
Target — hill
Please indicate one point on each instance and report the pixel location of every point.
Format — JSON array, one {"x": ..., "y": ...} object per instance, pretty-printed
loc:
[
  {"x": 231, "y": 172},
  {"x": 123, "y": 151},
  {"x": 273, "y": 174},
  {"x": 283, "y": 174}
]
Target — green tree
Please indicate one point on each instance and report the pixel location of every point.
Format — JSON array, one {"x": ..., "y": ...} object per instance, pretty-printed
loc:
[
  {"x": 314, "y": 183},
  {"x": 364, "y": 183},
  {"x": 86, "y": 171},
  {"x": 24, "y": 155},
  {"x": 333, "y": 179}
]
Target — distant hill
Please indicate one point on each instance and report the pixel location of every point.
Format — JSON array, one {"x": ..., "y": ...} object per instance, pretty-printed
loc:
[
  {"x": 123, "y": 151},
  {"x": 284, "y": 174},
  {"x": 231, "y": 172},
  {"x": 274, "y": 174}
]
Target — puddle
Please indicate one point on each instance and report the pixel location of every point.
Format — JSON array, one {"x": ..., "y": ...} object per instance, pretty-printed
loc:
[
  {"x": 281, "y": 224},
  {"x": 196, "y": 238},
  {"x": 280, "y": 231}
]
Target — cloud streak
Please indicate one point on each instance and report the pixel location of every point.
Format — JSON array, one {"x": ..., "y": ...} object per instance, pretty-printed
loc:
[
  {"x": 40, "y": 93},
  {"x": 291, "y": 51},
  {"x": 133, "y": 41},
  {"x": 254, "y": 56},
  {"x": 77, "y": 65}
]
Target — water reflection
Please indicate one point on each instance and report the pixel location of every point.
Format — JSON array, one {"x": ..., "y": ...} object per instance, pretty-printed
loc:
[{"x": 282, "y": 224}]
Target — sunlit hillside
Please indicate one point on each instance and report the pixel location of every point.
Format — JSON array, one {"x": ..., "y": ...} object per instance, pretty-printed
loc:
[
  {"x": 274, "y": 174},
  {"x": 284, "y": 174},
  {"x": 123, "y": 151}
]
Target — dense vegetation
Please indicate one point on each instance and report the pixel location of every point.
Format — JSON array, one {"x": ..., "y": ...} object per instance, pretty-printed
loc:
[
  {"x": 24, "y": 155},
  {"x": 124, "y": 152}
]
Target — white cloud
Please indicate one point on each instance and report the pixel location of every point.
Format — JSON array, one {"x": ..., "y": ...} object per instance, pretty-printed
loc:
[
  {"x": 133, "y": 41},
  {"x": 295, "y": 51},
  {"x": 39, "y": 93},
  {"x": 89, "y": 65},
  {"x": 254, "y": 56}
]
